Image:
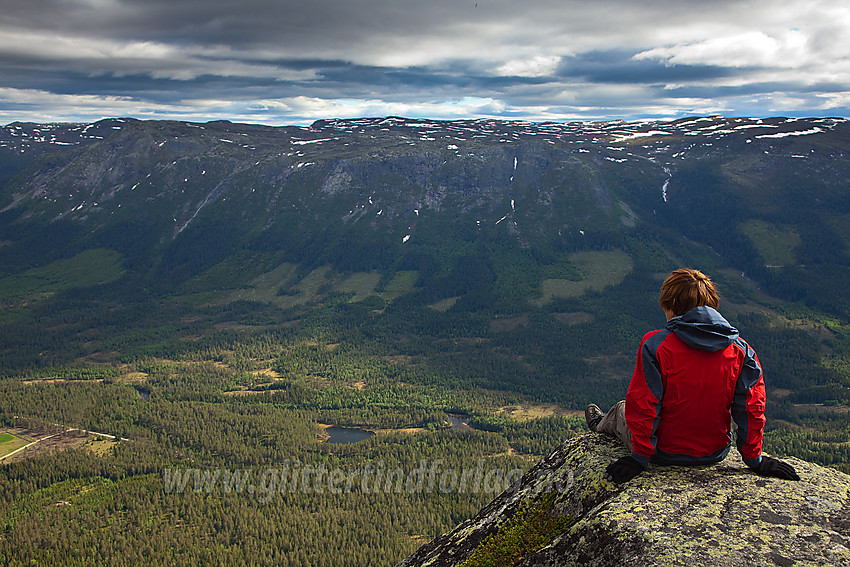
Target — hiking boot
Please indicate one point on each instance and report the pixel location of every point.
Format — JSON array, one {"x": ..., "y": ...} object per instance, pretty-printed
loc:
[{"x": 593, "y": 415}]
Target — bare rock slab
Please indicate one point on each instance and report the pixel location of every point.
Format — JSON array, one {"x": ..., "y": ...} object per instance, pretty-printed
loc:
[{"x": 722, "y": 514}]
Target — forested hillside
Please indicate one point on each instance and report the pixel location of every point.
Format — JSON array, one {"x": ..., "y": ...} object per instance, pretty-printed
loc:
[{"x": 212, "y": 296}]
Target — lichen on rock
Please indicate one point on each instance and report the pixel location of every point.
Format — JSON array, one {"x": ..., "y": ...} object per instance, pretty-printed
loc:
[{"x": 722, "y": 514}]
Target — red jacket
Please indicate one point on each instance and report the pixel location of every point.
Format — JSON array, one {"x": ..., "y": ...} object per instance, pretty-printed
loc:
[{"x": 691, "y": 380}]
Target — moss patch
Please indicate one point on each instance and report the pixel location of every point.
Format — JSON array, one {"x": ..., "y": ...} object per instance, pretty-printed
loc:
[{"x": 532, "y": 528}]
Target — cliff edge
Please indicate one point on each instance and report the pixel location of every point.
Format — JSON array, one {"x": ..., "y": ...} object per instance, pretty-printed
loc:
[{"x": 562, "y": 512}]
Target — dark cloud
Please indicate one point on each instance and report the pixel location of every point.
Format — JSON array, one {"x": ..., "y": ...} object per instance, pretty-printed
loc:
[
  {"x": 282, "y": 61},
  {"x": 620, "y": 66}
]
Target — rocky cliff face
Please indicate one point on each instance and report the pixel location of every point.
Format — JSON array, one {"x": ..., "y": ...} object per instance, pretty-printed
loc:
[{"x": 716, "y": 515}]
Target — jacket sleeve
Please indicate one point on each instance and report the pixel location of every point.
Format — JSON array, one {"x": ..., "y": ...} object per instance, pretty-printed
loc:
[
  {"x": 643, "y": 400},
  {"x": 748, "y": 406}
]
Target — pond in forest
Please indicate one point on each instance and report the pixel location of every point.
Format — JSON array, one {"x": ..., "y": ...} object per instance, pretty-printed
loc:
[{"x": 346, "y": 435}]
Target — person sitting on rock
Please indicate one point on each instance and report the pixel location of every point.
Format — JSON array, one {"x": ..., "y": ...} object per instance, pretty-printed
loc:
[{"x": 690, "y": 378}]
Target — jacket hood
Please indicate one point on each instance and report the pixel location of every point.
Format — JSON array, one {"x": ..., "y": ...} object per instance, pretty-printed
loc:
[{"x": 703, "y": 328}]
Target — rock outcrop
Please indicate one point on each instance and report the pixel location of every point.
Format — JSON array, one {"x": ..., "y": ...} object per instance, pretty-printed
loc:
[{"x": 715, "y": 515}]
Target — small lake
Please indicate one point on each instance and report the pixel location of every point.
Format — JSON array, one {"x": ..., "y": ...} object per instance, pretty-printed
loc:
[{"x": 347, "y": 435}]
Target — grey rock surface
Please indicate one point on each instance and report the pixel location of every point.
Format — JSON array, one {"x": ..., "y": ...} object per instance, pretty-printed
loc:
[{"x": 722, "y": 514}]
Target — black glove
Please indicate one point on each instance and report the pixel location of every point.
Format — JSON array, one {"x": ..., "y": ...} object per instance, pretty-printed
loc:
[
  {"x": 623, "y": 470},
  {"x": 774, "y": 467}
]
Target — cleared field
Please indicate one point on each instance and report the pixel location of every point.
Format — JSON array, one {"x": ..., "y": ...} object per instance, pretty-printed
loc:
[
  {"x": 402, "y": 283},
  {"x": 576, "y": 318},
  {"x": 504, "y": 325},
  {"x": 266, "y": 285},
  {"x": 775, "y": 245},
  {"x": 99, "y": 446},
  {"x": 444, "y": 304},
  {"x": 525, "y": 412},
  {"x": 281, "y": 287},
  {"x": 599, "y": 269},
  {"x": 314, "y": 285},
  {"x": 86, "y": 269},
  {"x": 10, "y": 443},
  {"x": 361, "y": 284}
]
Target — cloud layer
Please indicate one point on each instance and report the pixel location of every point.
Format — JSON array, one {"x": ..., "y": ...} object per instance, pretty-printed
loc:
[{"x": 287, "y": 62}]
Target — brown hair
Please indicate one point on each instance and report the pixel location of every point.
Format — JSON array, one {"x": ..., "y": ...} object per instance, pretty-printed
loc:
[{"x": 685, "y": 289}]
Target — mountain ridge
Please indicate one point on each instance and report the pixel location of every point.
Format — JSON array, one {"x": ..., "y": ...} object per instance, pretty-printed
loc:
[{"x": 511, "y": 173}]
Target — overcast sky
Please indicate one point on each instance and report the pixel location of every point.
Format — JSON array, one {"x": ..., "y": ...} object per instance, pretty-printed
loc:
[{"x": 287, "y": 62}]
